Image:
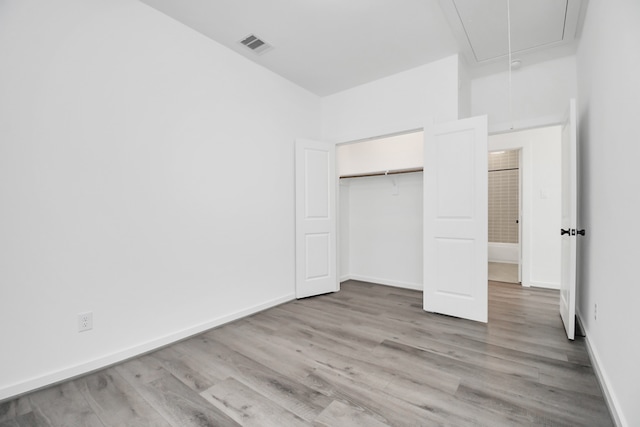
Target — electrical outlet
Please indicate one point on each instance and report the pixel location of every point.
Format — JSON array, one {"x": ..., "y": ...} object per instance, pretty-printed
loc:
[
  {"x": 595, "y": 312},
  {"x": 85, "y": 321}
]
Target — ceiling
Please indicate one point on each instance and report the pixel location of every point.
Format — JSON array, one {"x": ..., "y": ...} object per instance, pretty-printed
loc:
[{"x": 327, "y": 46}]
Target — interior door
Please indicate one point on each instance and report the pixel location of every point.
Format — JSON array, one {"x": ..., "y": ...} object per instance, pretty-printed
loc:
[
  {"x": 569, "y": 221},
  {"x": 316, "y": 222},
  {"x": 455, "y": 219}
]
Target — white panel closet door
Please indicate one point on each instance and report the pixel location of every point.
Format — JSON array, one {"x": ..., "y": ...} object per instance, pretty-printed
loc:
[
  {"x": 316, "y": 222},
  {"x": 455, "y": 218},
  {"x": 569, "y": 221}
]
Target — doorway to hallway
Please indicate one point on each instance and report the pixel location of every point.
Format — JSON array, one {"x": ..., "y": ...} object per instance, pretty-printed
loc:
[{"x": 504, "y": 202}]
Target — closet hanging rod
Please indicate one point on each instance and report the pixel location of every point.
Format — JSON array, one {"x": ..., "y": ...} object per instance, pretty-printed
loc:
[{"x": 382, "y": 173}]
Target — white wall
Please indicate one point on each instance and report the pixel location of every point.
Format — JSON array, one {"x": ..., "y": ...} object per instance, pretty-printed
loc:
[
  {"x": 609, "y": 107},
  {"x": 383, "y": 154},
  {"x": 343, "y": 230},
  {"x": 540, "y": 95},
  {"x": 464, "y": 89},
  {"x": 143, "y": 167},
  {"x": 385, "y": 230},
  {"x": 541, "y": 201},
  {"x": 404, "y": 101},
  {"x": 380, "y": 217}
]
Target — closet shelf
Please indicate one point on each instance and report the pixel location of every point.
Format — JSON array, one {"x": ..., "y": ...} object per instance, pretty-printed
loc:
[{"x": 381, "y": 173}]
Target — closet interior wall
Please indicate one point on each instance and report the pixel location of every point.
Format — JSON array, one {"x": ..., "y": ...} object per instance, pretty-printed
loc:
[{"x": 381, "y": 212}]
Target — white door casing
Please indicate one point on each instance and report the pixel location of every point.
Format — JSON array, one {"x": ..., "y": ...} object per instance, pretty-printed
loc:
[
  {"x": 520, "y": 210},
  {"x": 568, "y": 221},
  {"x": 316, "y": 222},
  {"x": 455, "y": 219}
]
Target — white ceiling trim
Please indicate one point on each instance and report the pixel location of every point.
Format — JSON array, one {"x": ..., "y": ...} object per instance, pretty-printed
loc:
[{"x": 567, "y": 17}]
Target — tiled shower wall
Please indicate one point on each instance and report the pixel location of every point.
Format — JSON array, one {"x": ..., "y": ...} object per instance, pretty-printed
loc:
[{"x": 504, "y": 196}]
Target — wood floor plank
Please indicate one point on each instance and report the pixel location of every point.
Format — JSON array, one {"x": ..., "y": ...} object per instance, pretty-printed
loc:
[
  {"x": 371, "y": 370},
  {"x": 572, "y": 379},
  {"x": 292, "y": 395},
  {"x": 339, "y": 414},
  {"x": 141, "y": 370},
  {"x": 521, "y": 392},
  {"x": 186, "y": 369},
  {"x": 559, "y": 373},
  {"x": 181, "y": 406},
  {"x": 262, "y": 352},
  {"x": 14, "y": 408},
  {"x": 416, "y": 392},
  {"x": 319, "y": 348},
  {"x": 31, "y": 419},
  {"x": 477, "y": 358},
  {"x": 249, "y": 408},
  {"x": 64, "y": 406},
  {"x": 450, "y": 326},
  {"x": 116, "y": 402},
  {"x": 529, "y": 404},
  {"x": 385, "y": 407},
  {"x": 336, "y": 328}
]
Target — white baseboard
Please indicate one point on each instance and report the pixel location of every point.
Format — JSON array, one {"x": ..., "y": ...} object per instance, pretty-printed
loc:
[
  {"x": 503, "y": 252},
  {"x": 66, "y": 374},
  {"x": 394, "y": 283},
  {"x": 502, "y": 261},
  {"x": 546, "y": 285},
  {"x": 603, "y": 379},
  {"x": 345, "y": 278}
]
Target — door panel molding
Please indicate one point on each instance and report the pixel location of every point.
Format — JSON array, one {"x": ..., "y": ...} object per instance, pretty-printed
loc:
[
  {"x": 455, "y": 219},
  {"x": 316, "y": 218}
]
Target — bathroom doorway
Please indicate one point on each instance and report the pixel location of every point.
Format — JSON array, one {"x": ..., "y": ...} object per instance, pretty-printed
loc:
[{"x": 504, "y": 216}]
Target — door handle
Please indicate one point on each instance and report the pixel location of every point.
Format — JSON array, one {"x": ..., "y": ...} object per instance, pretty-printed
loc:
[
  {"x": 581, "y": 232},
  {"x": 563, "y": 231}
]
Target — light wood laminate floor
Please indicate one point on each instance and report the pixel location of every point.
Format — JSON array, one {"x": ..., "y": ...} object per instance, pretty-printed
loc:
[{"x": 365, "y": 356}]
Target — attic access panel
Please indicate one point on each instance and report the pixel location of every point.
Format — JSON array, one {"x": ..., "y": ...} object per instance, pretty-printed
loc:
[{"x": 534, "y": 24}]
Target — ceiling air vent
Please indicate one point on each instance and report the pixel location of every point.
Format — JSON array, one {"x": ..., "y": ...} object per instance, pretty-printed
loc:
[{"x": 254, "y": 43}]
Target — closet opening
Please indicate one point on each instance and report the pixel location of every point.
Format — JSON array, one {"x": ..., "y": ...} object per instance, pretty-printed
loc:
[
  {"x": 388, "y": 207},
  {"x": 380, "y": 208}
]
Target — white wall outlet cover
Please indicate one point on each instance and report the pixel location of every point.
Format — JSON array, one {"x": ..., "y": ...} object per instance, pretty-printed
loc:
[{"x": 85, "y": 321}]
